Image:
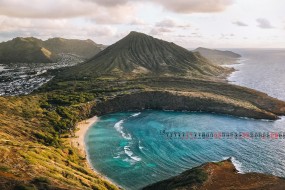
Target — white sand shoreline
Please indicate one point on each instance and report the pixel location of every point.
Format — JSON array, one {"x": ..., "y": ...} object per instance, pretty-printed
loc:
[
  {"x": 83, "y": 127},
  {"x": 79, "y": 142}
]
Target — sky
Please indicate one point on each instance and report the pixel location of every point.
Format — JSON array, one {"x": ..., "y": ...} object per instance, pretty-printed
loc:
[{"x": 189, "y": 23}]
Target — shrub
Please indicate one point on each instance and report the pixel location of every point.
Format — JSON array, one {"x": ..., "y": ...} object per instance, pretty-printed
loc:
[
  {"x": 25, "y": 187},
  {"x": 4, "y": 168},
  {"x": 41, "y": 180}
]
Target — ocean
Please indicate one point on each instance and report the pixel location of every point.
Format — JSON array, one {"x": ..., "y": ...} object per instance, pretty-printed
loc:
[
  {"x": 2, "y": 68},
  {"x": 261, "y": 69},
  {"x": 135, "y": 149}
]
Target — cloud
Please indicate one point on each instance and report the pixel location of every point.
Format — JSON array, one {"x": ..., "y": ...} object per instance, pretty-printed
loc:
[
  {"x": 179, "y": 6},
  {"x": 227, "y": 36},
  {"x": 166, "y": 23},
  {"x": 169, "y": 23},
  {"x": 47, "y": 28},
  {"x": 9, "y": 24},
  {"x": 79, "y": 8},
  {"x": 137, "y": 21},
  {"x": 109, "y": 3},
  {"x": 239, "y": 23},
  {"x": 114, "y": 15},
  {"x": 192, "y": 35},
  {"x": 264, "y": 23},
  {"x": 45, "y": 8},
  {"x": 159, "y": 31},
  {"x": 94, "y": 31},
  {"x": 195, "y": 6},
  {"x": 102, "y": 11}
]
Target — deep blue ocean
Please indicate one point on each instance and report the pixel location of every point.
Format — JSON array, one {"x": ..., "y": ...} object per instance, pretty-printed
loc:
[{"x": 134, "y": 149}]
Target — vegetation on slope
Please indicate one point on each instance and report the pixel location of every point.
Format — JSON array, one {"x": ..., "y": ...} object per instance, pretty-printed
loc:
[
  {"x": 24, "y": 50},
  {"x": 83, "y": 48},
  {"x": 113, "y": 95},
  {"x": 35, "y": 152}
]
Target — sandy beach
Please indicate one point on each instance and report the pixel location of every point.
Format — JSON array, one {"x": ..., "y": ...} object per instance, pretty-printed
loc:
[
  {"x": 78, "y": 141},
  {"x": 83, "y": 127}
]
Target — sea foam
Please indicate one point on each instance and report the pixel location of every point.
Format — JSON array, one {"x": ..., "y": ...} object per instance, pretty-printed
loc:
[
  {"x": 140, "y": 147},
  {"x": 119, "y": 127},
  {"x": 131, "y": 154},
  {"x": 236, "y": 163},
  {"x": 136, "y": 114}
]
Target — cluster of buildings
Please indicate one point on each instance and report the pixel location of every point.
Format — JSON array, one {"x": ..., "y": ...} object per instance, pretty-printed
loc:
[{"x": 23, "y": 78}]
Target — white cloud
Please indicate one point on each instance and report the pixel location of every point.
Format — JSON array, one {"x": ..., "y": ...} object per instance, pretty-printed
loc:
[
  {"x": 45, "y": 8},
  {"x": 114, "y": 15},
  {"x": 169, "y": 23},
  {"x": 195, "y": 6},
  {"x": 192, "y": 35},
  {"x": 78, "y": 8},
  {"x": 239, "y": 23},
  {"x": 137, "y": 21},
  {"x": 8, "y": 23},
  {"x": 47, "y": 28},
  {"x": 227, "y": 36},
  {"x": 109, "y": 3},
  {"x": 179, "y": 6},
  {"x": 166, "y": 23},
  {"x": 264, "y": 23},
  {"x": 159, "y": 31},
  {"x": 100, "y": 11}
]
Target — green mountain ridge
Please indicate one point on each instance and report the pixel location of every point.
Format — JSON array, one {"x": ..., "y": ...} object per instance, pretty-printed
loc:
[
  {"x": 84, "y": 48},
  {"x": 24, "y": 50},
  {"x": 33, "y": 50},
  {"x": 140, "y": 54}
]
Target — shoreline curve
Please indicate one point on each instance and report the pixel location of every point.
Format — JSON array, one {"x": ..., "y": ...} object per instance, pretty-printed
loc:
[{"x": 79, "y": 142}]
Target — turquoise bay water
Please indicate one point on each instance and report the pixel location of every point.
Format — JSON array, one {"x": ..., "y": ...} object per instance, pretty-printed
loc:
[{"x": 130, "y": 150}]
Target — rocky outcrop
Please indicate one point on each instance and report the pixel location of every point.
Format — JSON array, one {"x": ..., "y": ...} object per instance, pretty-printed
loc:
[{"x": 219, "y": 175}]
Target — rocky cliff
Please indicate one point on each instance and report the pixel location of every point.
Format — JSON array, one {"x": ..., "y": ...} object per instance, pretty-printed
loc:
[
  {"x": 219, "y": 175},
  {"x": 196, "y": 95}
]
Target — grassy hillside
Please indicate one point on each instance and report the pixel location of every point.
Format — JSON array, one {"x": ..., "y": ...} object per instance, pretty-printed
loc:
[
  {"x": 35, "y": 152},
  {"x": 83, "y": 48},
  {"x": 24, "y": 50}
]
